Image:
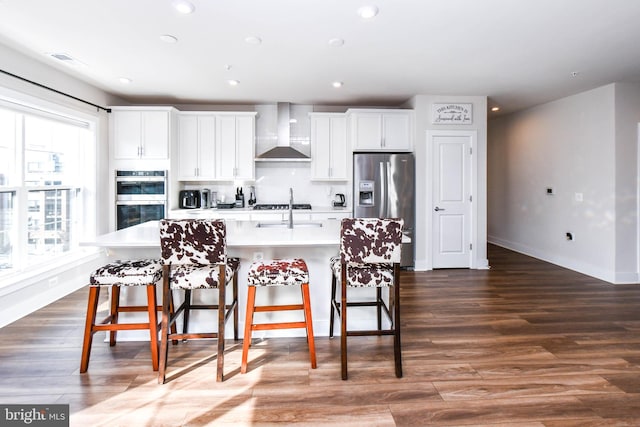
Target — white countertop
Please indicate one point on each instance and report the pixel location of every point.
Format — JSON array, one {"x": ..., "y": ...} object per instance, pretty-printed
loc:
[
  {"x": 239, "y": 234},
  {"x": 314, "y": 209}
]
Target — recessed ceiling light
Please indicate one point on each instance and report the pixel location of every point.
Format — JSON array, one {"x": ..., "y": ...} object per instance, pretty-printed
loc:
[
  {"x": 233, "y": 82},
  {"x": 336, "y": 42},
  {"x": 367, "y": 12},
  {"x": 168, "y": 38},
  {"x": 183, "y": 6},
  {"x": 252, "y": 40},
  {"x": 337, "y": 84},
  {"x": 124, "y": 80},
  {"x": 495, "y": 108}
]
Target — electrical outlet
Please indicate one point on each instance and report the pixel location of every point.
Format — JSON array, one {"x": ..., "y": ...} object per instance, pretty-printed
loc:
[
  {"x": 569, "y": 236},
  {"x": 258, "y": 256}
]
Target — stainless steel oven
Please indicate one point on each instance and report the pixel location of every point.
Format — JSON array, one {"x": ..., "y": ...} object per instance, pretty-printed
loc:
[{"x": 140, "y": 196}]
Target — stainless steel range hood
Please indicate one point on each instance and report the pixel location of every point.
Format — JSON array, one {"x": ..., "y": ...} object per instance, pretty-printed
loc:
[{"x": 283, "y": 151}]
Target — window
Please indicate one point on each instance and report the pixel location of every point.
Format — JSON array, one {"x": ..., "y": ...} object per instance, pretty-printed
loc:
[{"x": 42, "y": 163}]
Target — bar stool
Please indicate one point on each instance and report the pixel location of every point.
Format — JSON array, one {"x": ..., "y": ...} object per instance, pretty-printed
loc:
[
  {"x": 370, "y": 255},
  {"x": 122, "y": 273},
  {"x": 281, "y": 272},
  {"x": 193, "y": 253}
]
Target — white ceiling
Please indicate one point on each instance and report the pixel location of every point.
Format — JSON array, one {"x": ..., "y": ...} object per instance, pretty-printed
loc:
[{"x": 519, "y": 53}]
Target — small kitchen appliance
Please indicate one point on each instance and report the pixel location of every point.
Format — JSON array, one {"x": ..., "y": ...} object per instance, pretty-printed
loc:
[
  {"x": 205, "y": 198},
  {"x": 340, "y": 201},
  {"x": 190, "y": 199}
]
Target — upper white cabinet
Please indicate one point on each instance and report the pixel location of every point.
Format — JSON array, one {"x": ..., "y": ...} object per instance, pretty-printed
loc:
[
  {"x": 141, "y": 133},
  {"x": 196, "y": 146},
  {"x": 381, "y": 130},
  {"x": 329, "y": 147},
  {"x": 235, "y": 146}
]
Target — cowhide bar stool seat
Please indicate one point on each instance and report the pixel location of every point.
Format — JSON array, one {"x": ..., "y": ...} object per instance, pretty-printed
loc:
[
  {"x": 279, "y": 272},
  {"x": 122, "y": 273}
]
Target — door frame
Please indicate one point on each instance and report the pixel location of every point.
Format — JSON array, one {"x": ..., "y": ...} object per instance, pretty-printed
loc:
[{"x": 473, "y": 223}]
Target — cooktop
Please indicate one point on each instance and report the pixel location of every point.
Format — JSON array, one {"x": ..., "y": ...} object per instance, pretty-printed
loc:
[{"x": 280, "y": 206}]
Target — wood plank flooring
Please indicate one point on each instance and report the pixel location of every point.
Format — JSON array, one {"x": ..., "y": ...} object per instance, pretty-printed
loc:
[{"x": 526, "y": 343}]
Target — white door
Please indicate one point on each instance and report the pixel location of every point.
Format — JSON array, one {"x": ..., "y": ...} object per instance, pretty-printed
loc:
[{"x": 451, "y": 210}]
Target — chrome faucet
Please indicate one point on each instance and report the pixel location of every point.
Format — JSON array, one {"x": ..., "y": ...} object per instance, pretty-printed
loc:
[{"x": 290, "y": 207}]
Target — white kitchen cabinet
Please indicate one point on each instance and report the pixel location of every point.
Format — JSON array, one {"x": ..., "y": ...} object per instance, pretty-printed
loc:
[
  {"x": 381, "y": 130},
  {"x": 235, "y": 146},
  {"x": 337, "y": 215},
  {"x": 141, "y": 133},
  {"x": 329, "y": 148},
  {"x": 196, "y": 146}
]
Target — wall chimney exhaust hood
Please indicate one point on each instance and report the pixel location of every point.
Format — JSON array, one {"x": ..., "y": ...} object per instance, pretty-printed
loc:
[{"x": 283, "y": 151}]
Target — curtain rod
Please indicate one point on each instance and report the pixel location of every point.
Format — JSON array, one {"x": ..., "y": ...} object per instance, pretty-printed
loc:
[{"x": 108, "y": 110}]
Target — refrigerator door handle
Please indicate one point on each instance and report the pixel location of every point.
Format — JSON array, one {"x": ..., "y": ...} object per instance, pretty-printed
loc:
[
  {"x": 387, "y": 203},
  {"x": 383, "y": 190}
]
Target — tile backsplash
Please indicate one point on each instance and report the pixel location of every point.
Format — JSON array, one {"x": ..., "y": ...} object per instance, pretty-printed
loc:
[{"x": 273, "y": 180}]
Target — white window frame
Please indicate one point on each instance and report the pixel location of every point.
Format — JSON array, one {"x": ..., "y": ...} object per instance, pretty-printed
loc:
[{"x": 20, "y": 277}]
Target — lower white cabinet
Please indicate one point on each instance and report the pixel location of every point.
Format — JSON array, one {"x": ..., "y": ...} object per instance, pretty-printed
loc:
[{"x": 337, "y": 215}]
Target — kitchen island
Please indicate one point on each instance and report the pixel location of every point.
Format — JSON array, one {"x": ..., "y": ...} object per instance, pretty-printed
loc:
[{"x": 314, "y": 241}]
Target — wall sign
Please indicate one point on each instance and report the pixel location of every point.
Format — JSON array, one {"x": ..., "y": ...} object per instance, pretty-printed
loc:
[{"x": 452, "y": 114}]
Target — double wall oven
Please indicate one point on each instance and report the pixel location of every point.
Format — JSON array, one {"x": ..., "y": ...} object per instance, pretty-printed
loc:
[{"x": 140, "y": 196}]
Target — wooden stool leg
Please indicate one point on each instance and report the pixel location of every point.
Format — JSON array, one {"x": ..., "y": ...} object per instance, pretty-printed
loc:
[
  {"x": 222, "y": 315},
  {"x": 235, "y": 307},
  {"x": 379, "y": 307},
  {"x": 396, "y": 323},
  {"x": 153, "y": 324},
  {"x": 343, "y": 324},
  {"x": 306, "y": 302},
  {"x": 115, "y": 309},
  {"x": 332, "y": 308},
  {"x": 187, "y": 310},
  {"x": 248, "y": 325},
  {"x": 164, "y": 345},
  {"x": 92, "y": 308}
]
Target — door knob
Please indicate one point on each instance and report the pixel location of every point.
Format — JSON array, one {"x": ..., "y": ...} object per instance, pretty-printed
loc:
[{"x": 437, "y": 209}]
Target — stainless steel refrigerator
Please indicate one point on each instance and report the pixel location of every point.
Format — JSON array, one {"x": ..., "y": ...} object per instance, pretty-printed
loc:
[{"x": 384, "y": 187}]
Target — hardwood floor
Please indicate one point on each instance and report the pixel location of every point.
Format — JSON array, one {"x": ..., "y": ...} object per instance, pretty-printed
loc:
[{"x": 524, "y": 344}]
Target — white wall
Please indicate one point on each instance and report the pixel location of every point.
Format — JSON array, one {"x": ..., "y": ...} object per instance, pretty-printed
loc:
[
  {"x": 627, "y": 108},
  {"x": 37, "y": 290},
  {"x": 422, "y": 105},
  {"x": 586, "y": 145}
]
